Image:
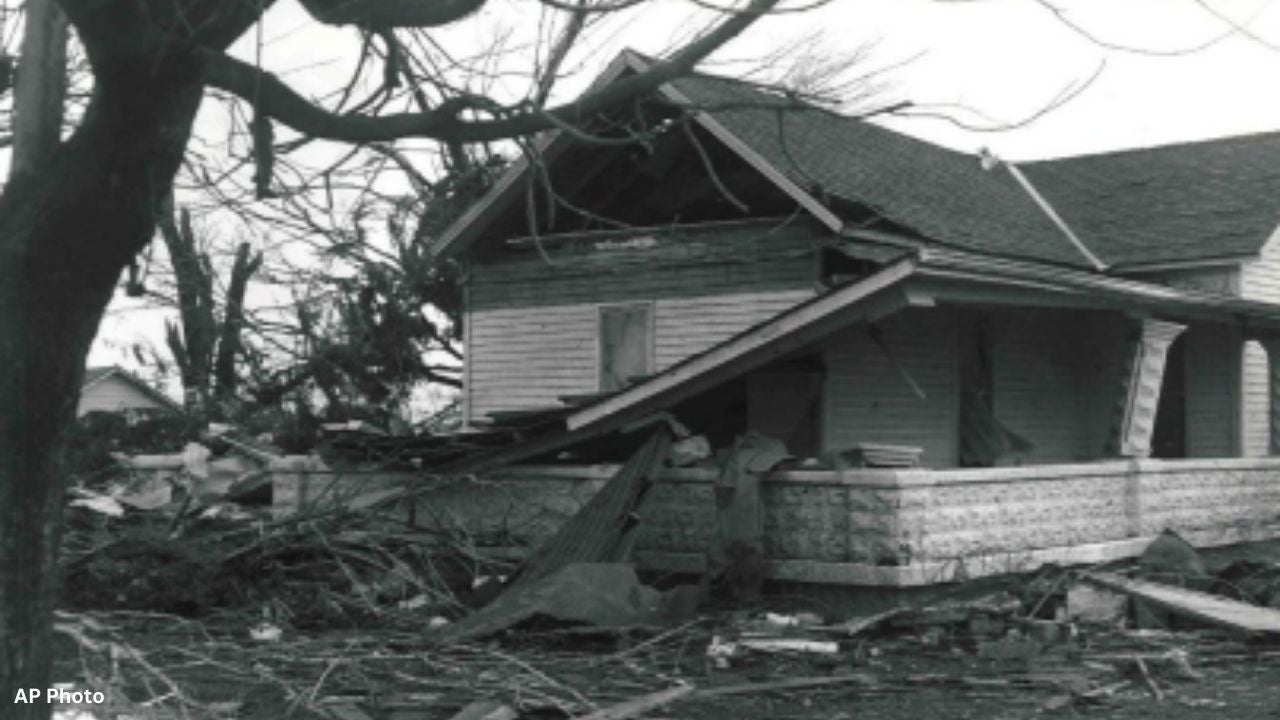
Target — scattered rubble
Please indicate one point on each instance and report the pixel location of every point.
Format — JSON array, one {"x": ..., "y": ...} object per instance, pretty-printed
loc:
[
  {"x": 605, "y": 650},
  {"x": 189, "y": 589}
]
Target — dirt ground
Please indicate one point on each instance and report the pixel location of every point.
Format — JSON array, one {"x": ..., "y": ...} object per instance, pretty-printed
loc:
[
  {"x": 894, "y": 675},
  {"x": 1004, "y": 650},
  {"x": 1243, "y": 688}
]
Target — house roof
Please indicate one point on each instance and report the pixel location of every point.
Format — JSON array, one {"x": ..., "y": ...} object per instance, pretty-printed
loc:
[
  {"x": 943, "y": 195},
  {"x": 96, "y": 374},
  {"x": 1200, "y": 200},
  {"x": 922, "y": 278},
  {"x": 1190, "y": 202}
]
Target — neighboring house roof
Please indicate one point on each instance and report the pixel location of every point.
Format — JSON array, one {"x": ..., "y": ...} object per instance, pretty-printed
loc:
[
  {"x": 98, "y": 376},
  {"x": 94, "y": 374},
  {"x": 1190, "y": 202},
  {"x": 922, "y": 278}
]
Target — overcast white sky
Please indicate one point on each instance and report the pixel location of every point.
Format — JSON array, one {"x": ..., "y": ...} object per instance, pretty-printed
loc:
[{"x": 986, "y": 63}]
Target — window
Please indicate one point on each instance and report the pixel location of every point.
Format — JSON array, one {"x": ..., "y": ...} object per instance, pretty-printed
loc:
[{"x": 626, "y": 344}]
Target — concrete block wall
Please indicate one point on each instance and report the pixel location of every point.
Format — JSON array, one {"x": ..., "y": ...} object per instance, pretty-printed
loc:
[{"x": 860, "y": 527}]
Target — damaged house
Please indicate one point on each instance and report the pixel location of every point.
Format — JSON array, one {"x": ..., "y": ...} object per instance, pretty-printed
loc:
[{"x": 977, "y": 367}]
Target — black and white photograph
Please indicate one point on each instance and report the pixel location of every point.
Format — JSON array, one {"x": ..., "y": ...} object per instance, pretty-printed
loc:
[{"x": 639, "y": 359}]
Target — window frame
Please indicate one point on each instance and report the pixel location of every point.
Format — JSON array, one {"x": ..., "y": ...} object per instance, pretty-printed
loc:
[{"x": 650, "y": 326}]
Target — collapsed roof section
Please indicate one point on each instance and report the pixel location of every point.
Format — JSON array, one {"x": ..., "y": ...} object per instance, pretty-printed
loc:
[{"x": 1196, "y": 202}]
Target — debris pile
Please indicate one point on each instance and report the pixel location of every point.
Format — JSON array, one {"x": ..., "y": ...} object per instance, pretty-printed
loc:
[
  {"x": 589, "y": 640},
  {"x": 199, "y": 603},
  {"x": 185, "y": 546}
]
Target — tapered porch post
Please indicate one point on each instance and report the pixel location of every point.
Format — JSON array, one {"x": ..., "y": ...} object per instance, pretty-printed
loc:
[
  {"x": 1272, "y": 345},
  {"x": 1140, "y": 393}
]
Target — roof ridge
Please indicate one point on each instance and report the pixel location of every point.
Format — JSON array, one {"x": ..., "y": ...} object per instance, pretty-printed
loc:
[
  {"x": 1159, "y": 147},
  {"x": 860, "y": 121}
]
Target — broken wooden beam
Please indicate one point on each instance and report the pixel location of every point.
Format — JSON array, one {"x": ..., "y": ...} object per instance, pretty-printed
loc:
[{"x": 1212, "y": 609}]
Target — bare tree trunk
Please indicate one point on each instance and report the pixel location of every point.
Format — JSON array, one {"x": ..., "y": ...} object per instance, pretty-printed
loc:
[
  {"x": 67, "y": 229},
  {"x": 229, "y": 335},
  {"x": 192, "y": 343},
  {"x": 41, "y": 86},
  {"x": 205, "y": 350}
]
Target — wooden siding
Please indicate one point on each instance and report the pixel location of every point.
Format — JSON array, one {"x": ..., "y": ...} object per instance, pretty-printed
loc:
[
  {"x": 1259, "y": 280},
  {"x": 114, "y": 394},
  {"x": 532, "y": 328},
  {"x": 868, "y": 400},
  {"x": 1035, "y": 382},
  {"x": 687, "y": 326},
  {"x": 1213, "y": 391},
  {"x": 494, "y": 288},
  {"x": 529, "y": 357},
  {"x": 1102, "y": 348},
  {"x": 1056, "y": 382},
  {"x": 1228, "y": 391},
  {"x": 694, "y": 261},
  {"x": 1057, "y": 379}
]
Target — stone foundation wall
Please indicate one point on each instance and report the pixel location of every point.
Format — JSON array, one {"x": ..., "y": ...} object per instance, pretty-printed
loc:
[{"x": 872, "y": 527}]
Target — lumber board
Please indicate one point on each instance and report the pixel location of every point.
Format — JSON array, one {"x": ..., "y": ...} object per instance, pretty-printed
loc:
[{"x": 1220, "y": 611}]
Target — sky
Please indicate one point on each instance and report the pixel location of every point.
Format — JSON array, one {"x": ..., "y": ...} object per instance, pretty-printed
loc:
[{"x": 978, "y": 73}]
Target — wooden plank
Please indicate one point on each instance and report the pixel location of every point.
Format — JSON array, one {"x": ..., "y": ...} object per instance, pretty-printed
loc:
[
  {"x": 1212, "y": 609},
  {"x": 636, "y": 707}
]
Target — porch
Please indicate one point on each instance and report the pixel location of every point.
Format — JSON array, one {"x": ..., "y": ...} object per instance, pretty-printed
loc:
[
  {"x": 1096, "y": 374},
  {"x": 861, "y": 527}
]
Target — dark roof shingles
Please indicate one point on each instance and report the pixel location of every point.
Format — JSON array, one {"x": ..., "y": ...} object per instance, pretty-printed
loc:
[
  {"x": 1208, "y": 199},
  {"x": 1194, "y": 201}
]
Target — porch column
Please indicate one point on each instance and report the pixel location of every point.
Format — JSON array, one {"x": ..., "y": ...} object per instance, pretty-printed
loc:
[
  {"x": 1140, "y": 393},
  {"x": 1272, "y": 345}
]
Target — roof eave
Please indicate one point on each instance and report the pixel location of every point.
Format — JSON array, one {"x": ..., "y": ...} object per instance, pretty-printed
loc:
[{"x": 1187, "y": 264}]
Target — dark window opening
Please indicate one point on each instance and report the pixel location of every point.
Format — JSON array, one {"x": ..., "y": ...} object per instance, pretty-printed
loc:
[{"x": 784, "y": 401}]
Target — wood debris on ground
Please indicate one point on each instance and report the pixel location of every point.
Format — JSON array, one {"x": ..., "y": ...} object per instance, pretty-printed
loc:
[{"x": 329, "y": 616}]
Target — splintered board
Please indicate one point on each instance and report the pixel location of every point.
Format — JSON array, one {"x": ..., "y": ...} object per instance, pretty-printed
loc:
[{"x": 1220, "y": 611}]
